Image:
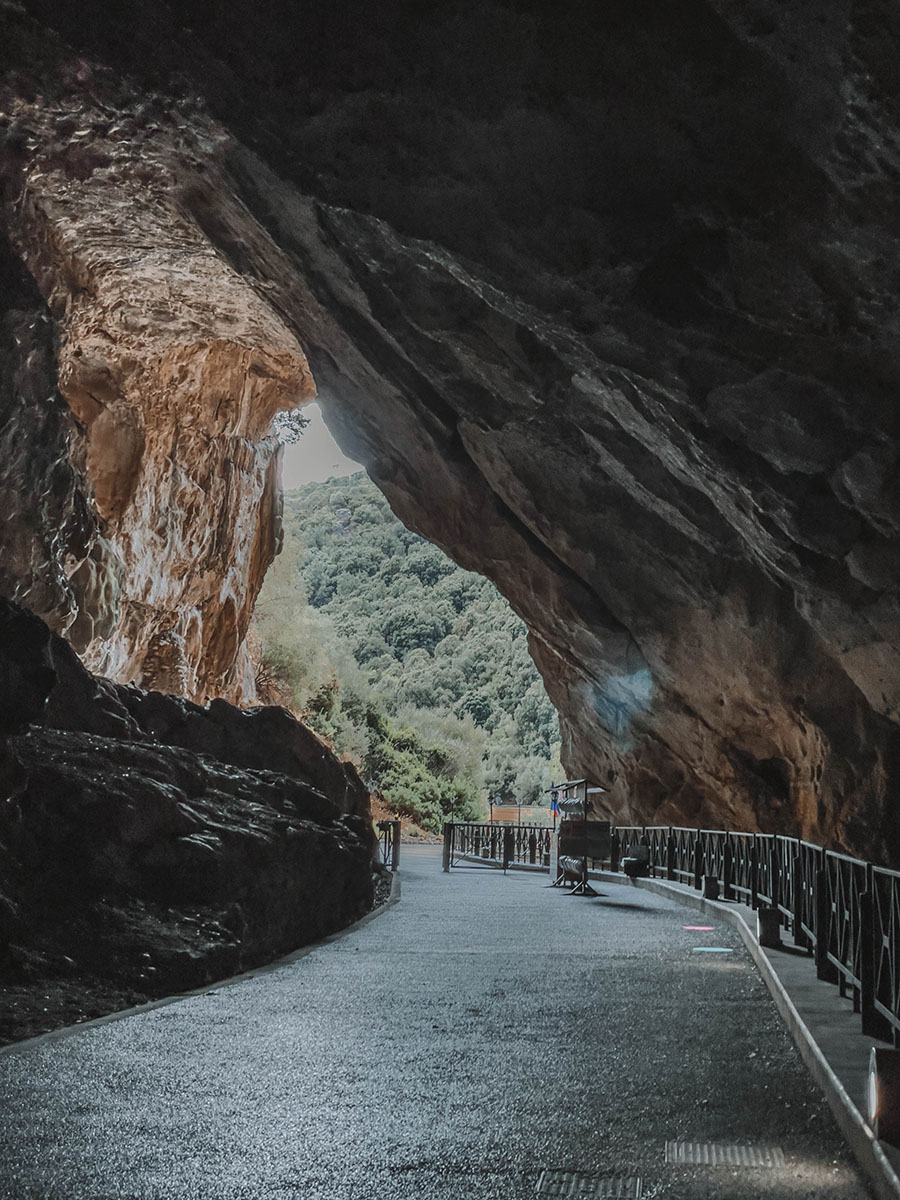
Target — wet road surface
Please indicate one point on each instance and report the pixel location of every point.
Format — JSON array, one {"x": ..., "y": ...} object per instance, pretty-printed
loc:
[{"x": 481, "y": 1031}]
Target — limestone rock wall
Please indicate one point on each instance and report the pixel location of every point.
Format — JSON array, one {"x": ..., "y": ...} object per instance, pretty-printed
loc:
[
  {"x": 604, "y": 297},
  {"x": 172, "y": 369}
]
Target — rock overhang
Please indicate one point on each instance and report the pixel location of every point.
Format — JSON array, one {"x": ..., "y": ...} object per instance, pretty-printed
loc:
[{"x": 613, "y": 322}]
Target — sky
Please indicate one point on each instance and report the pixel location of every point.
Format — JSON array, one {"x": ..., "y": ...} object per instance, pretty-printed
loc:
[{"x": 316, "y": 456}]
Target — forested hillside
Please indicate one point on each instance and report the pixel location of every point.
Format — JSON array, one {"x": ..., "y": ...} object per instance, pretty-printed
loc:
[{"x": 416, "y": 669}]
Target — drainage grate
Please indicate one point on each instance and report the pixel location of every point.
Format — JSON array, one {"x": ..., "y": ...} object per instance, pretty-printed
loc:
[
  {"x": 592, "y": 1187},
  {"x": 718, "y": 1154}
]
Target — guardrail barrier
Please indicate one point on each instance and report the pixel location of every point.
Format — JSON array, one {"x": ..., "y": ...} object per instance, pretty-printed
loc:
[{"x": 492, "y": 845}]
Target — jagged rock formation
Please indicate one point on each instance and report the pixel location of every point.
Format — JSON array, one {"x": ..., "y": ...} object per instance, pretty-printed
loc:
[
  {"x": 605, "y": 299},
  {"x": 148, "y": 845}
]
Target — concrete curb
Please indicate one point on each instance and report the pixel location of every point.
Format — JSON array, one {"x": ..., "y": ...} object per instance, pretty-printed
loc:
[
  {"x": 868, "y": 1151},
  {"x": 121, "y": 1014}
]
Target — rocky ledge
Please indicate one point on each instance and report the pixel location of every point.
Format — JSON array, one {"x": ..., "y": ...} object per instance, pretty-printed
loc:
[{"x": 148, "y": 845}]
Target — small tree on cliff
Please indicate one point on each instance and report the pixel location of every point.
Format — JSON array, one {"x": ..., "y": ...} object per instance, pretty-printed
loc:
[{"x": 288, "y": 426}]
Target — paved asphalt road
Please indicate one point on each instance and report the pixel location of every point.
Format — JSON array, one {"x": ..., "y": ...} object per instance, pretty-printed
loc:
[{"x": 480, "y": 1031}]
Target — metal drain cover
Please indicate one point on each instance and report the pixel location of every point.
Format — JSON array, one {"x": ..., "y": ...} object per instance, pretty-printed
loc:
[
  {"x": 722, "y": 1154},
  {"x": 576, "y": 1183}
]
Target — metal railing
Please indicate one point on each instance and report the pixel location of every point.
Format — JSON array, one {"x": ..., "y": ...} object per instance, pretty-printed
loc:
[
  {"x": 501, "y": 844},
  {"x": 841, "y": 910},
  {"x": 681, "y": 856},
  {"x": 880, "y": 969}
]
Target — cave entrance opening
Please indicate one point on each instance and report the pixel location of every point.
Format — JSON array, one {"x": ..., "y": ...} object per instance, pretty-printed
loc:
[{"x": 412, "y": 668}]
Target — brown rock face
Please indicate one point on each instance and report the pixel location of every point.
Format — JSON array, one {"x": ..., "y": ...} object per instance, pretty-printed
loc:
[
  {"x": 605, "y": 297},
  {"x": 173, "y": 369}
]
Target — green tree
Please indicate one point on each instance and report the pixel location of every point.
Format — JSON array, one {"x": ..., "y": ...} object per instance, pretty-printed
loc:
[
  {"x": 415, "y": 668},
  {"x": 407, "y": 628}
]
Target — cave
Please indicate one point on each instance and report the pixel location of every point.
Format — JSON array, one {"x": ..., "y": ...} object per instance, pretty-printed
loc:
[{"x": 604, "y": 297}]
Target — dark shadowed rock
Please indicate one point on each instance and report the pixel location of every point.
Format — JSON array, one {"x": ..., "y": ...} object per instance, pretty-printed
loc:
[
  {"x": 132, "y": 864},
  {"x": 26, "y": 668},
  {"x": 81, "y": 701},
  {"x": 113, "y": 822},
  {"x": 261, "y": 739},
  {"x": 258, "y": 739}
]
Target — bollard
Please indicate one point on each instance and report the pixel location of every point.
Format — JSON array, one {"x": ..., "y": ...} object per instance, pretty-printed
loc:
[
  {"x": 710, "y": 887},
  {"x": 883, "y": 1095},
  {"x": 448, "y": 843}
]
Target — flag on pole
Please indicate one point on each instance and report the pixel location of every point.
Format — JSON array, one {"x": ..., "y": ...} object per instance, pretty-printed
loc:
[{"x": 554, "y": 805}]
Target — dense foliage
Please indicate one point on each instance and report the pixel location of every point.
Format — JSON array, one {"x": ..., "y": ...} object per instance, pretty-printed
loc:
[{"x": 415, "y": 668}]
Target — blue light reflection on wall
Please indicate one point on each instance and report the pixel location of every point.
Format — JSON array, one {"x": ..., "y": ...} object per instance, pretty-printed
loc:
[{"x": 618, "y": 700}]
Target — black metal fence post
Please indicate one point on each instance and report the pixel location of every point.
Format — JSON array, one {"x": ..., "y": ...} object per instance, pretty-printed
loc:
[
  {"x": 448, "y": 844},
  {"x": 671, "y": 851},
  {"x": 754, "y": 876},
  {"x": 800, "y": 938},
  {"x": 870, "y": 1022},
  {"x": 507, "y": 848},
  {"x": 727, "y": 871},
  {"x": 698, "y": 864},
  {"x": 615, "y": 850},
  {"x": 395, "y": 845},
  {"x": 824, "y": 969},
  {"x": 532, "y": 848},
  {"x": 874, "y": 1023}
]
